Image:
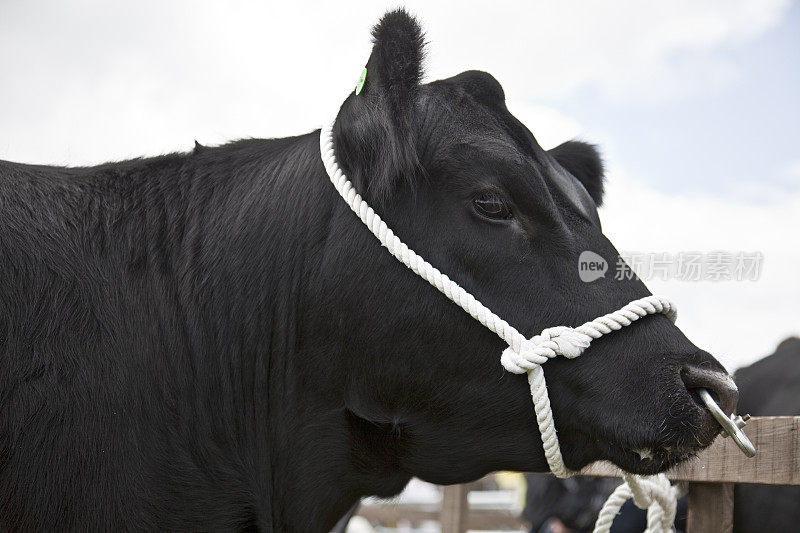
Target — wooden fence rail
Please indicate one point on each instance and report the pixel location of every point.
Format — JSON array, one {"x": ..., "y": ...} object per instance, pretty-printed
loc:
[{"x": 711, "y": 476}]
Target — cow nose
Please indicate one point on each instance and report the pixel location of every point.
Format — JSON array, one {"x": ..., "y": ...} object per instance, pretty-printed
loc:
[{"x": 719, "y": 384}]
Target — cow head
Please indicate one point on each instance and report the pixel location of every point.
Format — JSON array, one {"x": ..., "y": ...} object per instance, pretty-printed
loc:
[{"x": 466, "y": 185}]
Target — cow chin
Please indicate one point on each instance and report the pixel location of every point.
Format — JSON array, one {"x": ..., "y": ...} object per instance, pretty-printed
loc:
[
  {"x": 646, "y": 459},
  {"x": 643, "y": 449}
]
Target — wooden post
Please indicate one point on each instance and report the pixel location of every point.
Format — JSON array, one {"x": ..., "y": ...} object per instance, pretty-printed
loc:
[
  {"x": 777, "y": 460},
  {"x": 710, "y": 508},
  {"x": 454, "y": 508}
]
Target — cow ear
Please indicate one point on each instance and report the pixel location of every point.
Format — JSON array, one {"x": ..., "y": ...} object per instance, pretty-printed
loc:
[
  {"x": 583, "y": 161},
  {"x": 373, "y": 134}
]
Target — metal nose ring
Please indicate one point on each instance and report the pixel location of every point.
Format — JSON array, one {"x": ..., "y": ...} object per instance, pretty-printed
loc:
[{"x": 731, "y": 426}]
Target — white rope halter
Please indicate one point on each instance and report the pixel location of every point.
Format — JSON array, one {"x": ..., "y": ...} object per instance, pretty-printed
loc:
[{"x": 526, "y": 355}]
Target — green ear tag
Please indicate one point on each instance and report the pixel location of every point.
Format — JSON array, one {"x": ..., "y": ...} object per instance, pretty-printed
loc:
[{"x": 361, "y": 80}]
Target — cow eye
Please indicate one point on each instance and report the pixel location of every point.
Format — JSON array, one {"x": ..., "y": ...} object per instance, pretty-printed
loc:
[{"x": 491, "y": 205}]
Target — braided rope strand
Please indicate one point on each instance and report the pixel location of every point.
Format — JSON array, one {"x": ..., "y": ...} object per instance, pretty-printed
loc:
[{"x": 527, "y": 355}]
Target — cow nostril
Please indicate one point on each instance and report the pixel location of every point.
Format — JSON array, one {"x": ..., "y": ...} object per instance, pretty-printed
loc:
[{"x": 719, "y": 384}]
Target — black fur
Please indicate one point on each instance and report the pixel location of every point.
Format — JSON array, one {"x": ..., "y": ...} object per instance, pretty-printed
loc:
[
  {"x": 583, "y": 161},
  {"x": 213, "y": 341},
  {"x": 395, "y": 67}
]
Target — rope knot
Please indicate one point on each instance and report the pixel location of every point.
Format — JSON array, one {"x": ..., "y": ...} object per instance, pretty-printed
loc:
[
  {"x": 560, "y": 340},
  {"x": 653, "y": 494},
  {"x": 649, "y": 490},
  {"x": 564, "y": 341}
]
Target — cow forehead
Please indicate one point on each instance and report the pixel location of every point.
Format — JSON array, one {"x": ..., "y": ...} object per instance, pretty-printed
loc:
[
  {"x": 469, "y": 110},
  {"x": 481, "y": 86},
  {"x": 482, "y": 130}
]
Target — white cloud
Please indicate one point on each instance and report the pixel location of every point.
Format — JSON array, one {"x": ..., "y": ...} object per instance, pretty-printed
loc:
[
  {"x": 737, "y": 321},
  {"x": 626, "y": 49},
  {"x": 791, "y": 174},
  {"x": 550, "y": 127},
  {"x": 88, "y": 81}
]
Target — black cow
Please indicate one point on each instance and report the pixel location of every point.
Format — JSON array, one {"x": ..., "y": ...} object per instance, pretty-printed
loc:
[
  {"x": 214, "y": 341},
  {"x": 769, "y": 387}
]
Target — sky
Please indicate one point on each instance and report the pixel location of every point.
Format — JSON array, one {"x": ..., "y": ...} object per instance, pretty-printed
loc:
[{"x": 695, "y": 106}]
